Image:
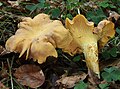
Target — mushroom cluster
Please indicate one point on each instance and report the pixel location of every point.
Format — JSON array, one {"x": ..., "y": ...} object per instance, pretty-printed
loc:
[{"x": 38, "y": 38}]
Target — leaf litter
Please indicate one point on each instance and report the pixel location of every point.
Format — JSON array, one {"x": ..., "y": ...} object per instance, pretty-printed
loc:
[
  {"x": 70, "y": 81},
  {"x": 30, "y": 75}
]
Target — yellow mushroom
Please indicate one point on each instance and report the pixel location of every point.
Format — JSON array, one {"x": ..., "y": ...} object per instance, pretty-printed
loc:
[
  {"x": 38, "y": 38},
  {"x": 86, "y": 38}
]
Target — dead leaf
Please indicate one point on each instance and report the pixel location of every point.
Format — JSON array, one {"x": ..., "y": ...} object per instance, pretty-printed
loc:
[
  {"x": 113, "y": 14},
  {"x": 70, "y": 81},
  {"x": 14, "y": 3},
  {"x": 4, "y": 71},
  {"x": 110, "y": 62},
  {"x": 30, "y": 75},
  {"x": 2, "y": 86},
  {"x": 3, "y": 51},
  {"x": 91, "y": 4}
]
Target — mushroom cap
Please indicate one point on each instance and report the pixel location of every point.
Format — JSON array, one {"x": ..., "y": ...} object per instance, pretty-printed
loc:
[
  {"x": 38, "y": 38},
  {"x": 82, "y": 32},
  {"x": 105, "y": 31}
]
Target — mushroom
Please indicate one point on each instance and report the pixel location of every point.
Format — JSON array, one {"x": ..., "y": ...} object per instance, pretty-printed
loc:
[
  {"x": 86, "y": 39},
  {"x": 38, "y": 38}
]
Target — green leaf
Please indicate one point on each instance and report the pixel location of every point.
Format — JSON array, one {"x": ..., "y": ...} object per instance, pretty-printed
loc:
[
  {"x": 118, "y": 10},
  {"x": 69, "y": 16},
  {"x": 112, "y": 6},
  {"x": 81, "y": 85},
  {"x": 40, "y": 5},
  {"x": 104, "y": 86},
  {"x": 109, "y": 70},
  {"x": 55, "y": 13},
  {"x": 111, "y": 74},
  {"x": 96, "y": 16},
  {"x": 104, "y": 4},
  {"x": 41, "y": 1},
  {"x": 113, "y": 52},
  {"x": 106, "y": 55},
  {"x": 118, "y": 30},
  {"x": 31, "y": 7},
  {"x": 106, "y": 76},
  {"x": 76, "y": 58},
  {"x": 116, "y": 75}
]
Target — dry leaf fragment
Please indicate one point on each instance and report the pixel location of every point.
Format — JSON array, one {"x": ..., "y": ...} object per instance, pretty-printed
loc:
[
  {"x": 114, "y": 15},
  {"x": 30, "y": 75},
  {"x": 2, "y": 86},
  {"x": 3, "y": 51},
  {"x": 86, "y": 38},
  {"x": 14, "y": 3},
  {"x": 70, "y": 81},
  {"x": 38, "y": 38}
]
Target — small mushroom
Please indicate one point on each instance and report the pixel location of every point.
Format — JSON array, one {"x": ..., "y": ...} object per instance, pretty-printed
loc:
[
  {"x": 38, "y": 38},
  {"x": 86, "y": 38}
]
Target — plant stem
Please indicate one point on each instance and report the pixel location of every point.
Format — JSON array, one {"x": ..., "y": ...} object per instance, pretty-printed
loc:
[{"x": 10, "y": 67}]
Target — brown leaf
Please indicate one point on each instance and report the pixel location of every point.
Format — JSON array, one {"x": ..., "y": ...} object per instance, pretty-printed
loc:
[
  {"x": 3, "y": 51},
  {"x": 70, "y": 81},
  {"x": 110, "y": 62},
  {"x": 2, "y": 86},
  {"x": 4, "y": 72},
  {"x": 114, "y": 15},
  {"x": 30, "y": 75},
  {"x": 13, "y": 3}
]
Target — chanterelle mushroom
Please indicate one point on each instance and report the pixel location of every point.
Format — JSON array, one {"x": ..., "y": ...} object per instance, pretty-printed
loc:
[
  {"x": 38, "y": 38},
  {"x": 86, "y": 38}
]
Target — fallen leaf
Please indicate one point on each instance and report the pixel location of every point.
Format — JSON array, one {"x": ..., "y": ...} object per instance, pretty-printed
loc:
[
  {"x": 110, "y": 62},
  {"x": 2, "y": 86},
  {"x": 30, "y": 75},
  {"x": 114, "y": 15},
  {"x": 91, "y": 4},
  {"x": 70, "y": 81},
  {"x": 14, "y": 3},
  {"x": 115, "y": 18},
  {"x": 4, "y": 71}
]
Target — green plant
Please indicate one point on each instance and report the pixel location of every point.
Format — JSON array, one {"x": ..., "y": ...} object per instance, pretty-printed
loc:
[
  {"x": 76, "y": 58},
  {"x": 111, "y": 74},
  {"x": 104, "y": 86},
  {"x": 81, "y": 85},
  {"x": 106, "y": 4},
  {"x": 39, "y": 5},
  {"x": 95, "y": 15},
  {"x": 112, "y": 52},
  {"x": 72, "y": 4}
]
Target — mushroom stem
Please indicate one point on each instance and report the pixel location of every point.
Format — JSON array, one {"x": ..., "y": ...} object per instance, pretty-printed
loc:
[{"x": 90, "y": 51}]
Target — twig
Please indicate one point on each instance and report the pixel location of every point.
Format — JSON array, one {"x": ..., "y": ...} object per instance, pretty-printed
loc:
[
  {"x": 78, "y": 10},
  {"x": 10, "y": 67},
  {"x": 11, "y": 15}
]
